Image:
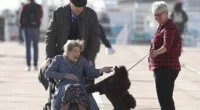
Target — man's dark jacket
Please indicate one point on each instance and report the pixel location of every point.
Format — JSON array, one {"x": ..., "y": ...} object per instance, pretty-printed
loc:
[
  {"x": 59, "y": 27},
  {"x": 25, "y": 17}
]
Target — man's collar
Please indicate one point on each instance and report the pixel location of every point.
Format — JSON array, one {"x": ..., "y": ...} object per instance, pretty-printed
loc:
[
  {"x": 68, "y": 8},
  {"x": 82, "y": 14},
  {"x": 73, "y": 14}
]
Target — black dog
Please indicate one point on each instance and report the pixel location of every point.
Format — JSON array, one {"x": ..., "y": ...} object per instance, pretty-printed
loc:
[{"x": 115, "y": 87}]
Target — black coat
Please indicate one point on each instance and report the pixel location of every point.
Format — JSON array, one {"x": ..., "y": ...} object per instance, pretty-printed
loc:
[{"x": 58, "y": 31}]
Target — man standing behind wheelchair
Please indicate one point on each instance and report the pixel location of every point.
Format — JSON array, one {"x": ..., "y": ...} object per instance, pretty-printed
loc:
[{"x": 71, "y": 22}]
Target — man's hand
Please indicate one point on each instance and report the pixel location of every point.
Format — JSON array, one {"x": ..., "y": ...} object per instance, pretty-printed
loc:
[
  {"x": 109, "y": 51},
  {"x": 72, "y": 77}
]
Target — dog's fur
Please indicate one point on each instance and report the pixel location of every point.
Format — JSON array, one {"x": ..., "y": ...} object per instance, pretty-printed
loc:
[{"x": 115, "y": 87}]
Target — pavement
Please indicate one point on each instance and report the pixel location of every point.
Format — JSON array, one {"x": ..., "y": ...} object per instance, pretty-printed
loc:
[{"x": 20, "y": 90}]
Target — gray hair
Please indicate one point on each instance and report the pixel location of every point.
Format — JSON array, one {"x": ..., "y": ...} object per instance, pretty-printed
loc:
[
  {"x": 74, "y": 43},
  {"x": 159, "y": 6}
]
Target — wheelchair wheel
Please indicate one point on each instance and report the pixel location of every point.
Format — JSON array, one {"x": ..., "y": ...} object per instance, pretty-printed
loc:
[{"x": 47, "y": 106}]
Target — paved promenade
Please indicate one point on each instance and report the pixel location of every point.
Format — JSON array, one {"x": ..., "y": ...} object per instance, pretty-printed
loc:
[{"x": 20, "y": 90}]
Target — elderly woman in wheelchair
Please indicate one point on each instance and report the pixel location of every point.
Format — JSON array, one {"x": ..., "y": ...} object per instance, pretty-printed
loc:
[{"x": 71, "y": 70}]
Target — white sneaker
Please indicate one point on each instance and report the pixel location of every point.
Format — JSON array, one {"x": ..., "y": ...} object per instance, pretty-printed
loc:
[
  {"x": 109, "y": 51},
  {"x": 28, "y": 68}
]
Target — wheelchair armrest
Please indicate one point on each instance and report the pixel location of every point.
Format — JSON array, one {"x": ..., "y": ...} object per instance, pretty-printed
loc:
[{"x": 52, "y": 85}]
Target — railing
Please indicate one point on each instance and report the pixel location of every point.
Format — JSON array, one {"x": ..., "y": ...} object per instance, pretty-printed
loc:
[
  {"x": 124, "y": 35},
  {"x": 191, "y": 40}
]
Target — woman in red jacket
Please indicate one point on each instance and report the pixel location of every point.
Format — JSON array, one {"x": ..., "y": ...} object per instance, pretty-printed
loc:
[{"x": 164, "y": 58}]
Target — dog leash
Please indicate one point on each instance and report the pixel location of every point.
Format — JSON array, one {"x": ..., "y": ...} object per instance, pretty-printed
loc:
[{"x": 138, "y": 62}]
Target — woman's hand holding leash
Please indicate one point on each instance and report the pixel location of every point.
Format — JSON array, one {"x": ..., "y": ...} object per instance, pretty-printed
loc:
[{"x": 154, "y": 53}]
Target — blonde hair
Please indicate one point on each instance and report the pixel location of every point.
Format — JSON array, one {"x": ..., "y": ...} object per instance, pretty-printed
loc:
[
  {"x": 74, "y": 43},
  {"x": 160, "y": 6}
]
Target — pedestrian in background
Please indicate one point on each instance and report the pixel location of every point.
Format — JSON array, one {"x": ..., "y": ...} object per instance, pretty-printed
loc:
[{"x": 30, "y": 21}]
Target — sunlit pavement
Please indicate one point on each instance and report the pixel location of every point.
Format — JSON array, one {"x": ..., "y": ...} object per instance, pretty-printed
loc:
[{"x": 20, "y": 90}]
